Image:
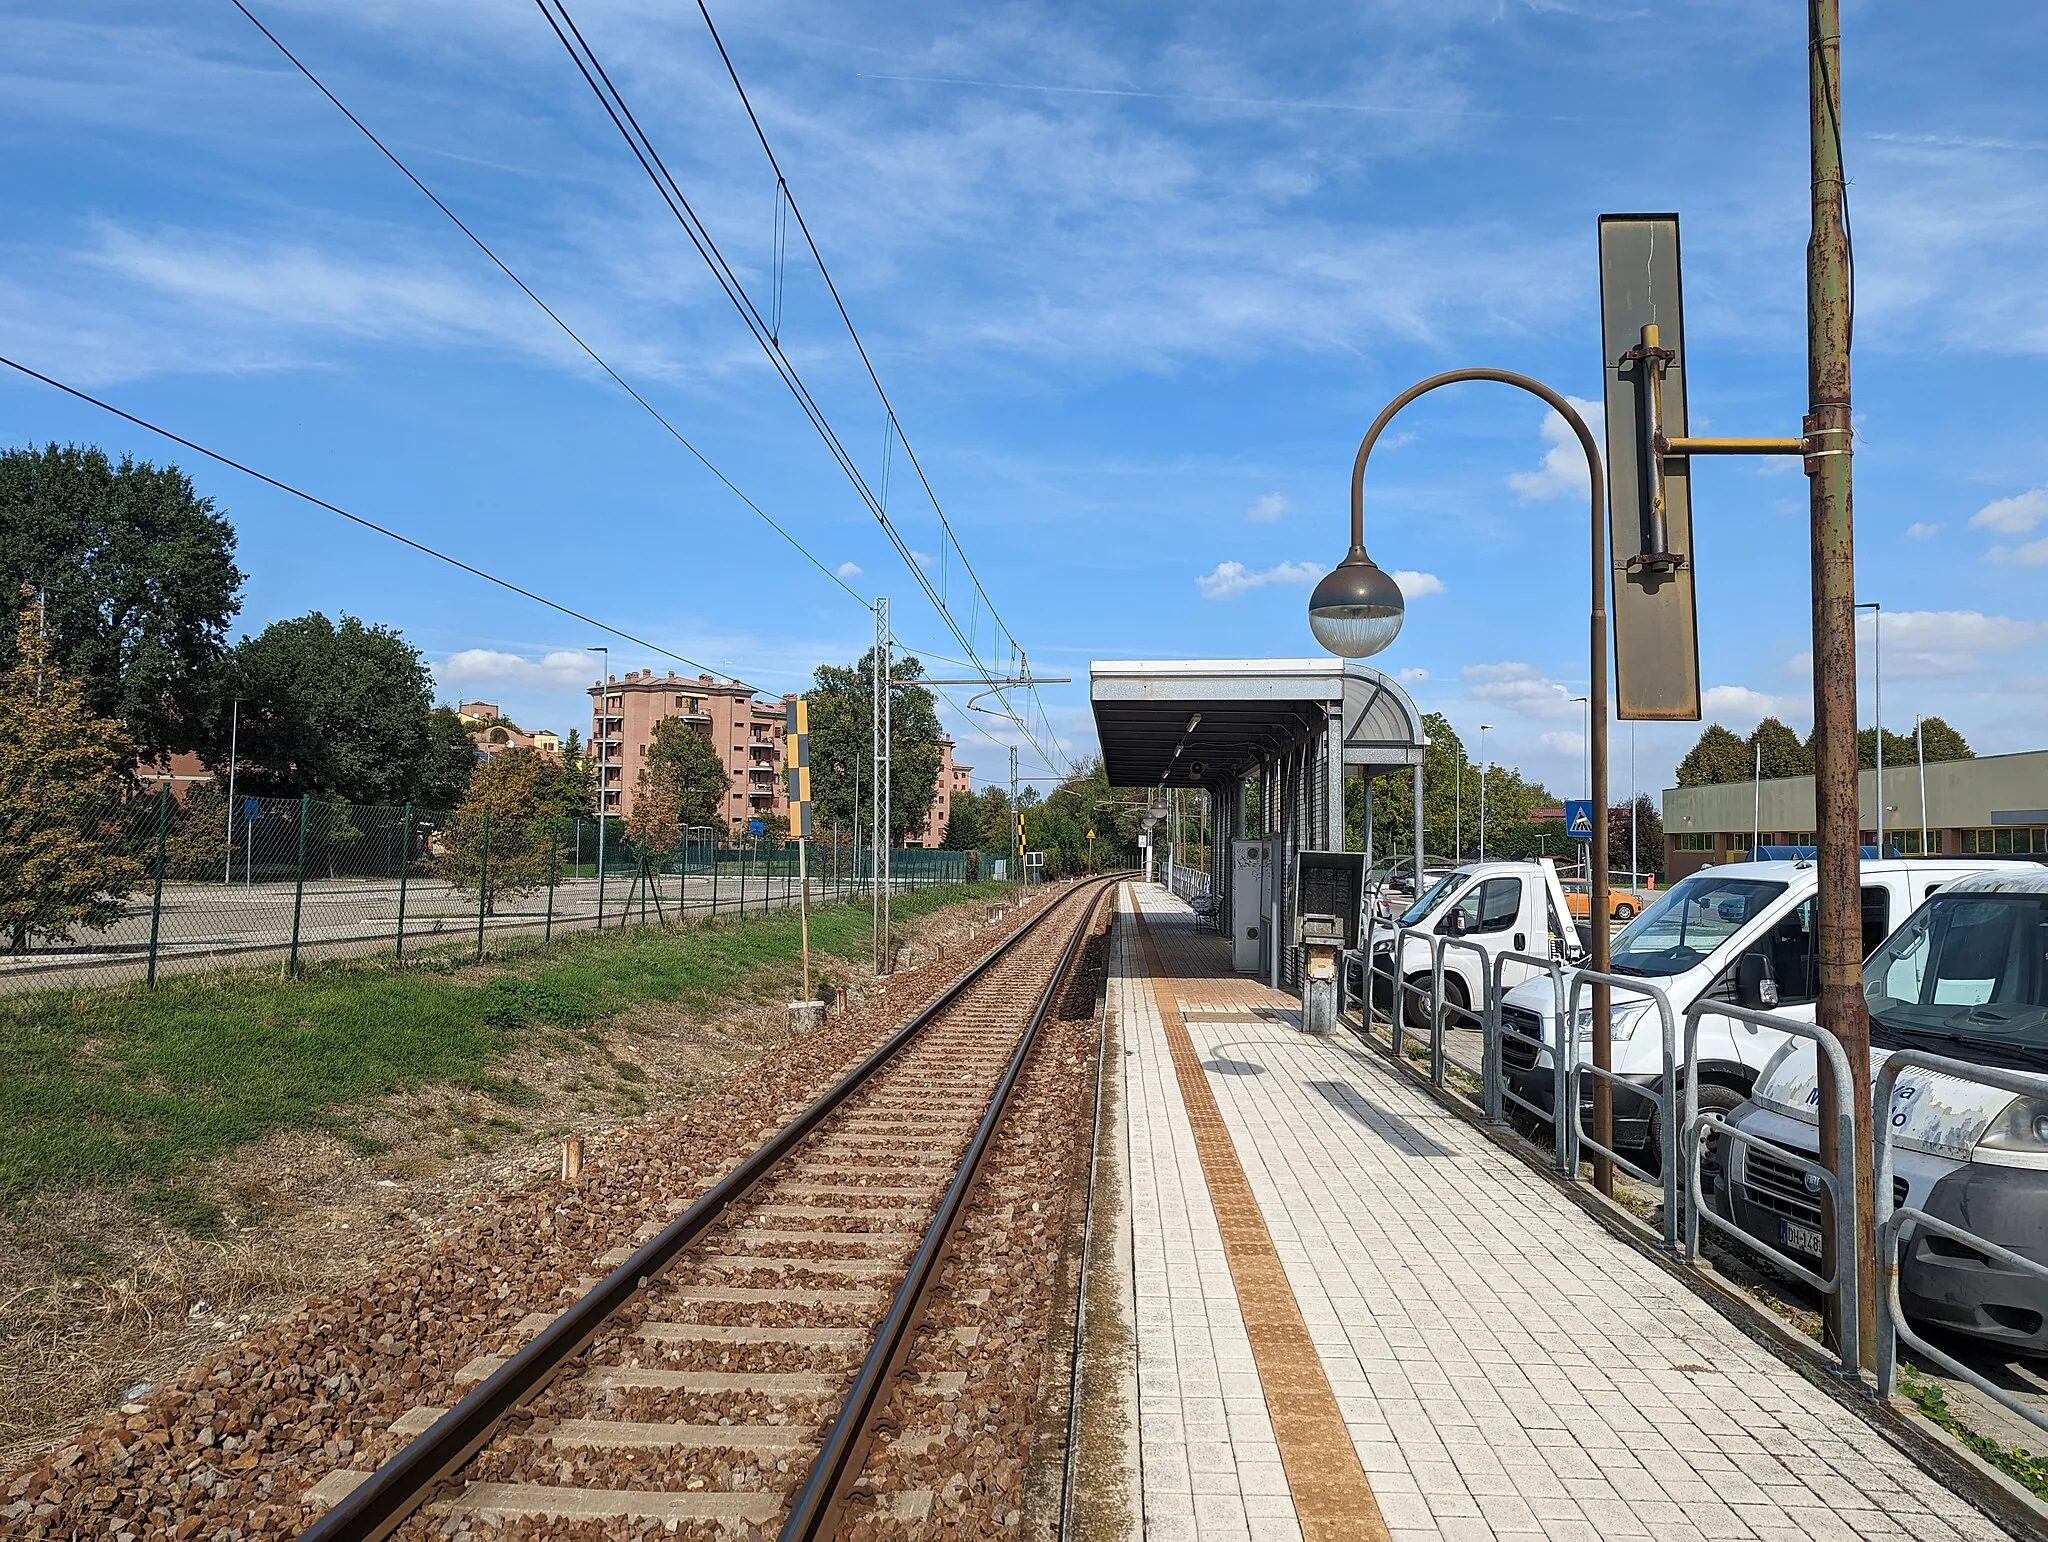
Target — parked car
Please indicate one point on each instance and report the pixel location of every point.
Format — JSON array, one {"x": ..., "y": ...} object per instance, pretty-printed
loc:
[
  {"x": 1744, "y": 933},
  {"x": 1502, "y": 907},
  {"x": 1965, "y": 977},
  {"x": 1622, "y": 904}
]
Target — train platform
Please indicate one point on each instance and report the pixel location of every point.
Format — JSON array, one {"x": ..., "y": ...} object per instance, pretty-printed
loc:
[{"x": 1352, "y": 1315}]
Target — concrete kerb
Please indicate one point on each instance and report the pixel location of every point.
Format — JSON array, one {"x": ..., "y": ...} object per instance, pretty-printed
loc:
[{"x": 1915, "y": 1436}]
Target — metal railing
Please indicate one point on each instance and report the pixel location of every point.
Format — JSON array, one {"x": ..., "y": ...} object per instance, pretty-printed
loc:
[
  {"x": 1898, "y": 1223},
  {"x": 1441, "y": 1006},
  {"x": 1665, "y": 1097},
  {"x": 1842, "y": 1282},
  {"x": 1495, "y": 1092}
]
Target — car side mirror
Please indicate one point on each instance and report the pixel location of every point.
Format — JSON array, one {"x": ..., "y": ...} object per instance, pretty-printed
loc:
[
  {"x": 1756, "y": 986},
  {"x": 1454, "y": 924}
]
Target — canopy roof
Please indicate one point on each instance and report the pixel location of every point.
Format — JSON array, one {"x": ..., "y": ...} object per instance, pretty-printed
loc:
[{"x": 1198, "y": 722}]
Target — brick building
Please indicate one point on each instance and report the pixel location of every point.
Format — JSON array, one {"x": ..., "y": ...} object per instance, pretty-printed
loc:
[
  {"x": 492, "y": 735},
  {"x": 952, "y": 780},
  {"x": 748, "y": 733}
]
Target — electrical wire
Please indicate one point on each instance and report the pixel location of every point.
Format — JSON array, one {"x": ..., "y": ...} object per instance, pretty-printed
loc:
[
  {"x": 559, "y": 20},
  {"x": 546, "y": 309},
  {"x": 368, "y": 524}
]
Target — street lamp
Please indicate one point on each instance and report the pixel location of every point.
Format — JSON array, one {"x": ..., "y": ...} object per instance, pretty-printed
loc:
[{"x": 1357, "y": 610}]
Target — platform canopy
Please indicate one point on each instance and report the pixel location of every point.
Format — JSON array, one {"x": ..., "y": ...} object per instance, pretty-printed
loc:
[{"x": 1201, "y": 722}]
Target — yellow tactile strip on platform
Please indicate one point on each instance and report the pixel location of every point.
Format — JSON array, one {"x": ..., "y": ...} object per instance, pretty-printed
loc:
[{"x": 1332, "y": 1499}]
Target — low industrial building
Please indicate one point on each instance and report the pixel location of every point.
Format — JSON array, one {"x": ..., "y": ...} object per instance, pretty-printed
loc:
[{"x": 1993, "y": 805}]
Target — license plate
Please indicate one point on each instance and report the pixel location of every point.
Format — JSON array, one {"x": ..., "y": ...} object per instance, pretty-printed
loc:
[{"x": 1794, "y": 1238}]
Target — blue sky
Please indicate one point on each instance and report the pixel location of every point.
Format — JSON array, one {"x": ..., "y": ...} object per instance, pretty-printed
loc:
[{"x": 1135, "y": 277}]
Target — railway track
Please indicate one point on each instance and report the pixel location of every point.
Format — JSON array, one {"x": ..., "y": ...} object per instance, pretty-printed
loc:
[{"x": 725, "y": 1377}]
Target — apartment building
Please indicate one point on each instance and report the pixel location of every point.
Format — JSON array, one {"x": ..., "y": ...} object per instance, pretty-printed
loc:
[
  {"x": 952, "y": 779},
  {"x": 748, "y": 733},
  {"x": 492, "y": 736}
]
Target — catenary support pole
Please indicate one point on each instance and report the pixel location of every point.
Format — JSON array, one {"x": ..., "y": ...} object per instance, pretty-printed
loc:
[
  {"x": 1837, "y": 822},
  {"x": 156, "y": 899},
  {"x": 547, "y": 931},
  {"x": 483, "y": 886}
]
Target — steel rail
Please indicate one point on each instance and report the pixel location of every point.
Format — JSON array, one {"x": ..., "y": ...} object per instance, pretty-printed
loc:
[
  {"x": 815, "y": 1514},
  {"x": 382, "y": 1502}
]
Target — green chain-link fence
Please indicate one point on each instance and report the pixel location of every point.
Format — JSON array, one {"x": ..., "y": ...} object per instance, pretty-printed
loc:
[{"x": 157, "y": 883}]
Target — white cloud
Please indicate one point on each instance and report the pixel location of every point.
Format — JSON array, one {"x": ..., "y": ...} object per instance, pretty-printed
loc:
[
  {"x": 1410, "y": 676},
  {"x": 1568, "y": 741},
  {"x": 2013, "y": 516},
  {"x": 488, "y": 666},
  {"x": 1414, "y": 585},
  {"x": 849, "y": 570},
  {"x": 1521, "y": 688},
  {"x": 1231, "y": 578},
  {"x": 924, "y": 558},
  {"x": 1740, "y": 704},
  {"x": 2032, "y": 555},
  {"x": 1269, "y": 508},
  {"x": 1920, "y": 530},
  {"x": 1564, "y": 461},
  {"x": 1948, "y": 642}
]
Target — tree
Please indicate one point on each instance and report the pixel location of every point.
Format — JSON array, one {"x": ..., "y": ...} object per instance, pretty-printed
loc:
[
  {"x": 529, "y": 800},
  {"x": 341, "y": 712},
  {"x": 1784, "y": 752},
  {"x": 1450, "y": 802},
  {"x": 1717, "y": 757},
  {"x": 62, "y": 773},
  {"x": 447, "y": 763},
  {"x": 1649, "y": 828},
  {"x": 1941, "y": 742},
  {"x": 963, "y": 826},
  {"x": 682, "y": 784},
  {"x": 841, "y": 708},
  {"x": 1084, "y": 801},
  {"x": 137, "y": 581}
]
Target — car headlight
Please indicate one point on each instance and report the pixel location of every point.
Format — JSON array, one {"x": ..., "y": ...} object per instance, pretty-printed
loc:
[
  {"x": 1622, "y": 1018},
  {"x": 2022, "y": 1127}
]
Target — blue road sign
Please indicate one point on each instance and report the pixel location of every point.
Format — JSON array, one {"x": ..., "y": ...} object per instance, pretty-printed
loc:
[
  {"x": 250, "y": 810},
  {"x": 755, "y": 827},
  {"x": 1578, "y": 818}
]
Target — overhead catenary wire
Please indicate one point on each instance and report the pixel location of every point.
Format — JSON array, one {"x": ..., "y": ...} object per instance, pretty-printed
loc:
[
  {"x": 549, "y": 311},
  {"x": 596, "y": 358},
  {"x": 368, "y": 524},
  {"x": 613, "y": 102}
]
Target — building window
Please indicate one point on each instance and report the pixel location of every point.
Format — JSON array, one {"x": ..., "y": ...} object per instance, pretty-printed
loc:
[
  {"x": 2007, "y": 841},
  {"x": 1739, "y": 843},
  {"x": 1694, "y": 842}
]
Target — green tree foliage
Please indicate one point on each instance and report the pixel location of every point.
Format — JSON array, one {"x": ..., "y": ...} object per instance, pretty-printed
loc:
[
  {"x": 138, "y": 581},
  {"x": 63, "y": 770},
  {"x": 1450, "y": 802},
  {"x": 841, "y": 709},
  {"x": 340, "y": 712},
  {"x": 1941, "y": 742},
  {"x": 1718, "y": 756},
  {"x": 530, "y": 800},
  {"x": 1059, "y": 824},
  {"x": 448, "y": 762},
  {"x": 682, "y": 784},
  {"x": 963, "y": 828},
  {"x": 1784, "y": 752},
  {"x": 1649, "y": 828}
]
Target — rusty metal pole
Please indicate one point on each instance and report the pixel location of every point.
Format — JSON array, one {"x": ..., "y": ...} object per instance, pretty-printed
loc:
[{"x": 1837, "y": 819}]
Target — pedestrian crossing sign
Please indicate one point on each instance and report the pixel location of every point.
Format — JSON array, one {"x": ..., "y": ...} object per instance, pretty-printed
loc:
[{"x": 1578, "y": 818}]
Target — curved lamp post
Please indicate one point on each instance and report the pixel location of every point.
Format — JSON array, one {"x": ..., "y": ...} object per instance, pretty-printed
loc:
[{"x": 1357, "y": 610}]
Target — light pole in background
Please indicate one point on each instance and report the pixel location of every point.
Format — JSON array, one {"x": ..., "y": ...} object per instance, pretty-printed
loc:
[
  {"x": 1876, "y": 610},
  {"x": 1586, "y": 702},
  {"x": 1457, "y": 814},
  {"x": 604, "y": 707},
  {"x": 1484, "y": 767},
  {"x": 227, "y": 872}
]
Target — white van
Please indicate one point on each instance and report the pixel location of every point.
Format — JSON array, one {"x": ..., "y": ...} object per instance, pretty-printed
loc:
[
  {"x": 1744, "y": 933},
  {"x": 1966, "y": 977},
  {"x": 1499, "y": 907}
]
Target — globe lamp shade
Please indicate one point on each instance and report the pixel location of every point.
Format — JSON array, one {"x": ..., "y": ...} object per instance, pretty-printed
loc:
[{"x": 1358, "y": 609}]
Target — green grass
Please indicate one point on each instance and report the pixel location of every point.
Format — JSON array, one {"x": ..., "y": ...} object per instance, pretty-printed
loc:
[
  {"x": 130, "y": 1090},
  {"x": 2017, "y": 1463}
]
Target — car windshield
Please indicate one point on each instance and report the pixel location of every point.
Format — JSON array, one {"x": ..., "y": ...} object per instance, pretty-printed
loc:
[
  {"x": 1438, "y": 892},
  {"x": 1967, "y": 975},
  {"x": 1689, "y": 920}
]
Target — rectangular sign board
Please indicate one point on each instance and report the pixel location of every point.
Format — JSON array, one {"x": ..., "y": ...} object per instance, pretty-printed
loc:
[
  {"x": 1656, "y": 622},
  {"x": 1578, "y": 818}
]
